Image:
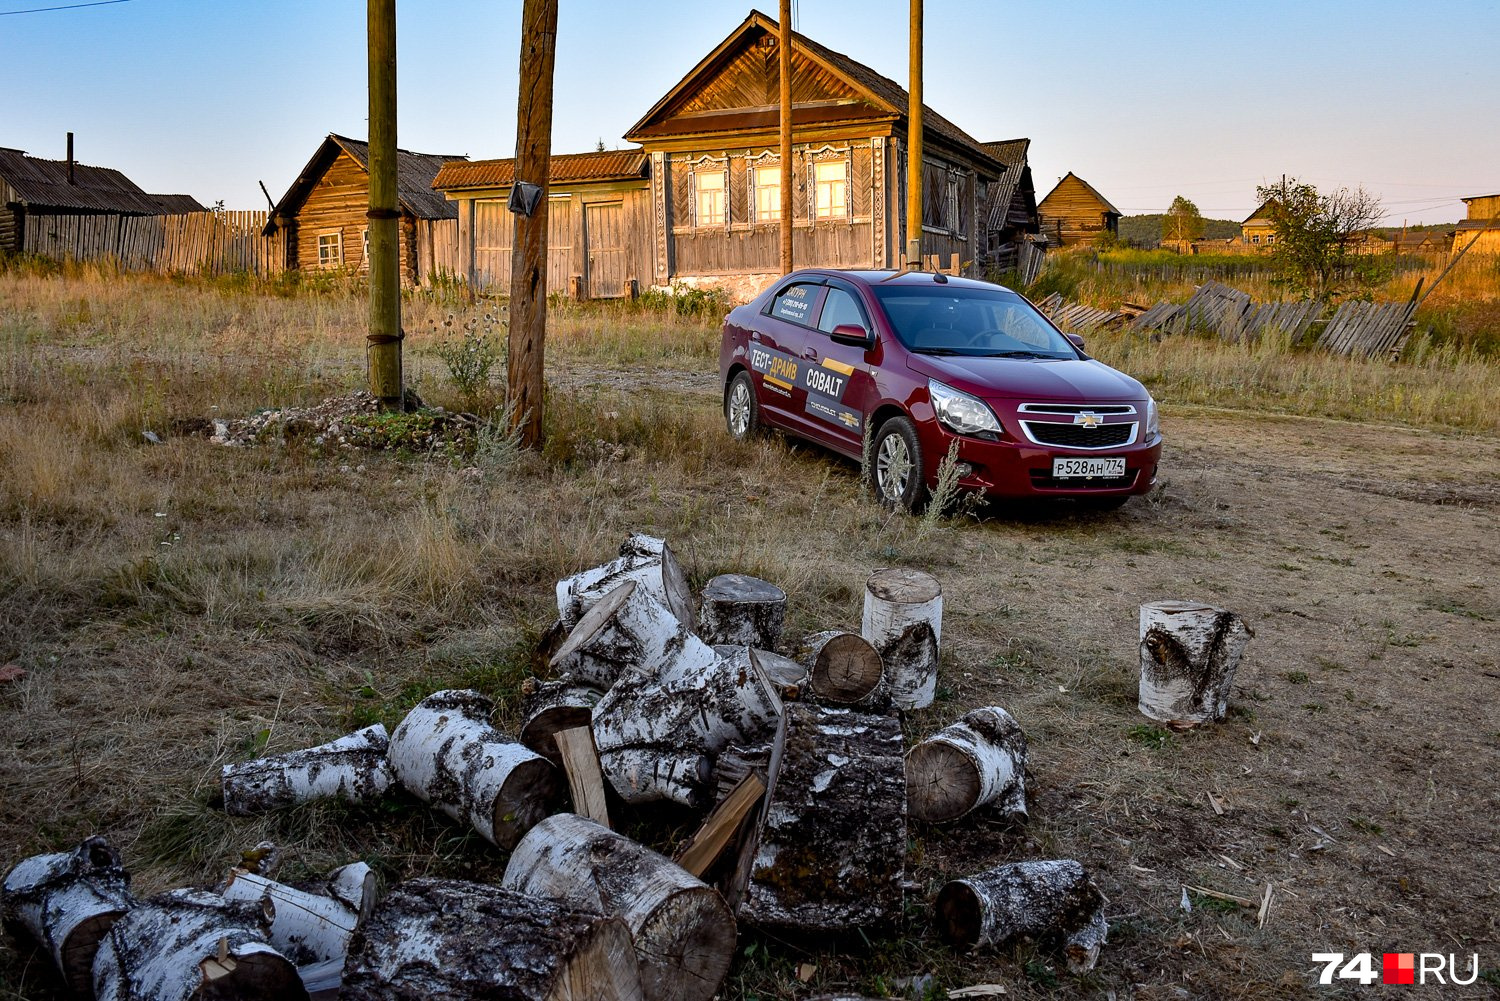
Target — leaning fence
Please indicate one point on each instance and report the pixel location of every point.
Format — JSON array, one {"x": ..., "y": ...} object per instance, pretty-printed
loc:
[{"x": 201, "y": 242}]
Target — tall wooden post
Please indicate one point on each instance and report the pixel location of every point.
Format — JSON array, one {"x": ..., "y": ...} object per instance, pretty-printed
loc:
[
  {"x": 785, "y": 56},
  {"x": 383, "y": 350},
  {"x": 528, "y": 268},
  {"x": 914, "y": 145}
]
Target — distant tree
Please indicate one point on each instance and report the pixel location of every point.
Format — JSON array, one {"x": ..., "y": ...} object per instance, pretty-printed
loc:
[
  {"x": 599, "y": 146},
  {"x": 1182, "y": 222},
  {"x": 1313, "y": 249}
]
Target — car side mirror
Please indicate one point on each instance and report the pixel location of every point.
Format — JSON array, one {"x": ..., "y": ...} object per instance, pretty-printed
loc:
[
  {"x": 1075, "y": 339},
  {"x": 853, "y": 335}
]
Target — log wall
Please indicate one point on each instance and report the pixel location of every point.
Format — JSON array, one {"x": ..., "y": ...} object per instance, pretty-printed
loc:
[{"x": 1072, "y": 214}]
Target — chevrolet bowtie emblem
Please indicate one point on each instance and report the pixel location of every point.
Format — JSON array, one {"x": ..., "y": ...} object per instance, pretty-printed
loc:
[{"x": 1088, "y": 419}]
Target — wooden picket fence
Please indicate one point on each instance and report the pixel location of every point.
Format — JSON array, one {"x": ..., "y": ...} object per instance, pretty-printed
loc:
[{"x": 198, "y": 242}]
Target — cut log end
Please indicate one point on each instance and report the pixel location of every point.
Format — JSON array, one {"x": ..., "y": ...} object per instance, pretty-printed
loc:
[
  {"x": 960, "y": 914},
  {"x": 942, "y": 782},
  {"x": 258, "y": 975},
  {"x": 592, "y": 621},
  {"x": 81, "y": 946},
  {"x": 843, "y": 668},
  {"x": 903, "y": 586},
  {"x": 525, "y": 799}
]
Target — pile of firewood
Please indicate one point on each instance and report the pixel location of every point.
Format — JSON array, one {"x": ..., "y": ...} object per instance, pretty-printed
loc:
[{"x": 792, "y": 751}]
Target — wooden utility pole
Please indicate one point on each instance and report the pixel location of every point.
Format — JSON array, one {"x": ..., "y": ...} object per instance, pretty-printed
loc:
[
  {"x": 528, "y": 266},
  {"x": 383, "y": 350},
  {"x": 914, "y": 145},
  {"x": 785, "y": 56}
]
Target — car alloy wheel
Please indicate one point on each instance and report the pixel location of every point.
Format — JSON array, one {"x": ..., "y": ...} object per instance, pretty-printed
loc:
[
  {"x": 739, "y": 407},
  {"x": 893, "y": 467},
  {"x": 896, "y": 466}
]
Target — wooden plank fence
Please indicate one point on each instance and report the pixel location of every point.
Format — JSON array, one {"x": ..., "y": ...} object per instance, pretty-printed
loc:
[
  {"x": 1075, "y": 317},
  {"x": 200, "y": 242},
  {"x": 437, "y": 250},
  {"x": 1368, "y": 328},
  {"x": 1294, "y": 319}
]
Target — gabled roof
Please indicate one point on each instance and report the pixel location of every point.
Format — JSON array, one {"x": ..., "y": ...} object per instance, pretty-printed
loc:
[
  {"x": 879, "y": 92},
  {"x": 1087, "y": 187},
  {"x": 1012, "y": 154},
  {"x": 566, "y": 168},
  {"x": 414, "y": 175},
  {"x": 43, "y": 184},
  {"x": 1261, "y": 212}
]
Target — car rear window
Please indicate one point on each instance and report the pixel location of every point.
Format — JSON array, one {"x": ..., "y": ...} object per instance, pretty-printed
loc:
[{"x": 965, "y": 321}]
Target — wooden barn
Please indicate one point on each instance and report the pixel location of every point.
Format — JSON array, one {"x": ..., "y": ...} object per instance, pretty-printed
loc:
[
  {"x": 322, "y": 215},
  {"x": 1074, "y": 214},
  {"x": 1010, "y": 210},
  {"x": 1481, "y": 228},
  {"x": 33, "y": 189}
]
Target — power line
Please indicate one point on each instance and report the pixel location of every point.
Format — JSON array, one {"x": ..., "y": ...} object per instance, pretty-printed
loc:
[{"x": 73, "y": 6}]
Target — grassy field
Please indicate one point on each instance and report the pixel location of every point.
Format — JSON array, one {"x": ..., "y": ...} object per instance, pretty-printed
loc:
[{"x": 182, "y": 605}]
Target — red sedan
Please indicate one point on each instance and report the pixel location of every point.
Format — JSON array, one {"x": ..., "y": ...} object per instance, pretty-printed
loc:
[{"x": 907, "y": 363}]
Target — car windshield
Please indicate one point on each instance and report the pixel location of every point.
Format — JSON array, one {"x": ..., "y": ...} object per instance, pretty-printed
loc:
[{"x": 970, "y": 321}]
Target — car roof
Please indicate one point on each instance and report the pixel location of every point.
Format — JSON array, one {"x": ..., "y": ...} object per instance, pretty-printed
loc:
[{"x": 893, "y": 277}]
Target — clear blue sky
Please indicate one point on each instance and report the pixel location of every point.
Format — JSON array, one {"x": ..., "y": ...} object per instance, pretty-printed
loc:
[{"x": 1145, "y": 100}]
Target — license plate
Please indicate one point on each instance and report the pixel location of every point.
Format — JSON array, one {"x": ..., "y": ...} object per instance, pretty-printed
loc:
[{"x": 1108, "y": 466}]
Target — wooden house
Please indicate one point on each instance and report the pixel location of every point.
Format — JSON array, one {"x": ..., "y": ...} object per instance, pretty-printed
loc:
[
  {"x": 1259, "y": 229},
  {"x": 322, "y": 215},
  {"x": 1075, "y": 214},
  {"x": 1010, "y": 209},
  {"x": 1481, "y": 230},
  {"x": 33, "y": 189}
]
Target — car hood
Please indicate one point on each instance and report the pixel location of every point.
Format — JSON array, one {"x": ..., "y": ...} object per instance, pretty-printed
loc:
[{"x": 1043, "y": 380}]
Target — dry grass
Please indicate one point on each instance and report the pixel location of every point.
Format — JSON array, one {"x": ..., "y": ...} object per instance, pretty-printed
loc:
[{"x": 182, "y": 605}]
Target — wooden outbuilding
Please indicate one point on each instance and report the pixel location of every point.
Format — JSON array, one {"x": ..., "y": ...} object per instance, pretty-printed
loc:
[
  {"x": 1075, "y": 214},
  {"x": 33, "y": 189},
  {"x": 322, "y": 215},
  {"x": 1482, "y": 227},
  {"x": 1010, "y": 215}
]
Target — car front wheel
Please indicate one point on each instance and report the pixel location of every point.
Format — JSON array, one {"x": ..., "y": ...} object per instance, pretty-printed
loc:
[
  {"x": 895, "y": 466},
  {"x": 741, "y": 413}
]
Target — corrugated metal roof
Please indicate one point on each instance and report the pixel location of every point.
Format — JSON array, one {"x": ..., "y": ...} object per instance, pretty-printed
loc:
[
  {"x": 566, "y": 168},
  {"x": 41, "y": 184}
]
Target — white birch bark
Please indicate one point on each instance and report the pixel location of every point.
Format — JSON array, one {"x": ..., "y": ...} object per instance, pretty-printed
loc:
[
  {"x": 739, "y": 609},
  {"x": 549, "y": 707},
  {"x": 645, "y": 560},
  {"x": 977, "y": 761},
  {"x": 1189, "y": 653},
  {"x": 787, "y": 676},
  {"x": 353, "y": 768},
  {"x": 306, "y": 927},
  {"x": 903, "y": 620},
  {"x": 627, "y": 630},
  {"x": 1045, "y": 900},
  {"x": 843, "y": 670}
]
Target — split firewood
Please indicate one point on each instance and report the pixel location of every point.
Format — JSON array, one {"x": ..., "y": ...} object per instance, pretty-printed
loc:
[
  {"x": 580, "y": 762},
  {"x": 1189, "y": 652},
  {"x": 1035, "y": 900},
  {"x": 843, "y": 670},
  {"x": 979, "y": 760},
  {"x": 903, "y": 620},
  {"x": 432, "y": 938},
  {"x": 683, "y": 931},
  {"x": 721, "y": 826},
  {"x": 741, "y": 609},
  {"x": 648, "y": 562},
  {"x": 352, "y": 768},
  {"x": 190, "y": 944},
  {"x": 628, "y": 629},
  {"x": 832, "y": 845},
  {"x": 787, "y": 676},
  {"x": 67, "y": 902},
  {"x": 446, "y": 753},
  {"x": 551, "y": 706}
]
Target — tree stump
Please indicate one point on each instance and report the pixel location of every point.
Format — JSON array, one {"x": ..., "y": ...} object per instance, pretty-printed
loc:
[
  {"x": 832, "y": 848},
  {"x": 549, "y": 707},
  {"x": 190, "y": 944},
  {"x": 353, "y": 768},
  {"x": 439, "y": 939},
  {"x": 683, "y": 931},
  {"x": 1189, "y": 652},
  {"x": 742, "y": 610},
  {"x": 648, "y": 562},
  {"x": 1035, "y": 900},
  {"x": 843, "y": 670},
  {"x": 979, "y": 760},
  {"x": 446, "y": 753},
  {"x": 903, "y": 620},
  {"x": 67, "y": 902}
]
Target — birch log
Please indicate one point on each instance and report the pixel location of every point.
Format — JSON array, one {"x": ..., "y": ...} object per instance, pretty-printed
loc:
[
  {"x": 644, "y": 560},
  {"x": 832, "y": 849},
  {"x": 67, "y": 902},
  {"x": 353, "y": 768},
  {"x": 306, "y": 927},
  {"x": 549, "y": 707},
  {"x": 787, "y": 676},
  {"x": 842, "y": 669},
  {"x": 903, "y": 620},
  {"x": 193, "y": 944},
  {"x": 446, "y": 753},
  {"x": 626, "y": 630},
  {"x": 1035, "y": 900},
  {"x": 742, "y": 610},
  {"x": 683, "y": 931},
  {"x": 1189, "y": 652},
  {"x": 977, "y": 761},
  {"x": 435, "y": 939}
]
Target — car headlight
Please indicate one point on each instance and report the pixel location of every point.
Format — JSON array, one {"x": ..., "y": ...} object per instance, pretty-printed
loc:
[
  {"x": 1153, "y": 417},
  {"x": 960, "y": 412}
]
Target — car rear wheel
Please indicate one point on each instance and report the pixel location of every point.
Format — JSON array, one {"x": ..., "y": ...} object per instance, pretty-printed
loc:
[
  {"x": 895, "y": 466},
  {"x": 741, "y": 412}
]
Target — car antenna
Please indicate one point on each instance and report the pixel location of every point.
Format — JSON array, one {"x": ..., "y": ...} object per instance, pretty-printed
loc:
[{"x": 940, "y": 278}]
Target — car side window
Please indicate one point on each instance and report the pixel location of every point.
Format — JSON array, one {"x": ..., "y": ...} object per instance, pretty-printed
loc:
[
  {"x": 840, "y": 308},
  {"x": 794, "y": 303}
]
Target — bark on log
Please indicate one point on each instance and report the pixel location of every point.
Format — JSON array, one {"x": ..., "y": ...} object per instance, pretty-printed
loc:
[
  {"x": 193, "y": 944},
  {"x": 1189, "y": 652},
  {"x": 67, "y": 902},
  {"x": 432, "y": 938},
  {"x": 903, "y": 620},
  {"x": 626, "y": 630},
  {"x": 843, "y": 670},
  {"x": 742, "y": 610},
  {"x": 353, "y": 768},
  {"x": 787, "y": 676},
  {"x": 979, "y": 760},
  {"x": 446, "y": 753},
  {"x": 644, "y": 560},
  {"x": 832, "y": 849},
  {"x": 306, "y": 927},
  {"x": 549, "y": 707},
  {"x": 1036, "y": 900},
  {"x": 683, "y": 931}
]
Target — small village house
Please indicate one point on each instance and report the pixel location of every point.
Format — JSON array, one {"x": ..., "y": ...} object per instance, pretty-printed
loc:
[
  {"x": 1075, "y": 214},
  {"x": 322, "y": 215},
  {"x": 1482, "y": 226},
  {"x": 1259, "y": 229}
]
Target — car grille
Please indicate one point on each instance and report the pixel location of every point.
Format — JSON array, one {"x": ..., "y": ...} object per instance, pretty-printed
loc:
[{"x": 1079, "y": 436}]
